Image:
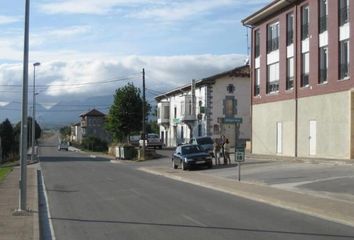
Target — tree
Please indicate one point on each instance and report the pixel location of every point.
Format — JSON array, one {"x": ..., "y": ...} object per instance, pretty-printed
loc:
[
  {"x": 65, "y": 131},
  {"x": 7, "y": 138},
  {"x": 17, "y": 132},
  {"x": 125, "y": 115}
]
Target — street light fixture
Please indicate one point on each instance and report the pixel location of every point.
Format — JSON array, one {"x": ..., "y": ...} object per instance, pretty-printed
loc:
[{"x": 34, "y": 109}]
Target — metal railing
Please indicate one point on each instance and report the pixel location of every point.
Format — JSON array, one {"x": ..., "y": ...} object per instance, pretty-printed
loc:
[{"x": 272, "y": 86}]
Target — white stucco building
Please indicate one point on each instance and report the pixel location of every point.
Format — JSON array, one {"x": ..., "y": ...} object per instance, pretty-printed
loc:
[{"x": 207, "y": 107}]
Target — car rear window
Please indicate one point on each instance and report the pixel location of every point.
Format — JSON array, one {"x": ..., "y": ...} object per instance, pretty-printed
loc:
[
  {"x": 190, "y": 149},
  {"x": 205, "y": 140}
]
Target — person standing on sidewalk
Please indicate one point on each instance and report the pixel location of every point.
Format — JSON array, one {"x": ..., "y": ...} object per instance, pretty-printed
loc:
[
  {"x": 216, "y": 151},
  {"x": 222, "y": 143},
  {"x": 227, "y": 158}
]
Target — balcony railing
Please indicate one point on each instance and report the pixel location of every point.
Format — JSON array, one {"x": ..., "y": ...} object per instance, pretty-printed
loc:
[
  {"x": 304, "y": 31},
  {"x": 304, "y": 79},
  {"x": 289, "y": 83},
  {"x": 323, "y": 75},
  {"x": 272, "y": 44},
  {"x": 343, "y": 15},
  {"x": 323, "y": 23},
  {"x": 343, "y": 71},
  {"x": 272, "y": 86}
]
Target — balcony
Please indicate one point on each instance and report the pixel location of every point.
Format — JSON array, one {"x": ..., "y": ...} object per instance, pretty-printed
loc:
[
  {"x": 188, "y": 112},
  {"x": 163, "y": 113},
  {"x": 83, "y": 123}
]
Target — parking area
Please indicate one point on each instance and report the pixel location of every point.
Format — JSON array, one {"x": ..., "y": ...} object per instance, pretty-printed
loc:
[{"x": 333, "y": 179}]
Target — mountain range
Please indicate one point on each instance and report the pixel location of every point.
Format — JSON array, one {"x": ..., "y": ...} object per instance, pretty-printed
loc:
[{"x": 60, "y": 114}]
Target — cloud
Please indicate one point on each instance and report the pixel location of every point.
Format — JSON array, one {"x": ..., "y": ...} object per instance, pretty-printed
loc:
[
  {"x": 97, "y": 7},
  {"x": 81, "y": 79},
  {"x": 9, "y": 19},
  {"x": 165, "y": 10},
  {"x": 175, "y": 11}
]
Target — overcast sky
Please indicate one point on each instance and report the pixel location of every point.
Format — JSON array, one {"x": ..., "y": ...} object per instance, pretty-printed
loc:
[{"x": 88, "y": 41}]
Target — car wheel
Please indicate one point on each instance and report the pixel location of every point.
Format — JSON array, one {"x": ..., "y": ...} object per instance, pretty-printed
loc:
[
  {"x": 210, "y": 165},
  {"x": 184, "y": 167},
  {"x": 160, "y": 147}
]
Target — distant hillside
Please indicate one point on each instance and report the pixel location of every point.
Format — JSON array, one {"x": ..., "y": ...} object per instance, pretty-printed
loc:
[{"x": 61, "y": 114}]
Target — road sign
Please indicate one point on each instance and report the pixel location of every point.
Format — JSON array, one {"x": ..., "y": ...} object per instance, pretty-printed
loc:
[{"x": 233, "y": 120}]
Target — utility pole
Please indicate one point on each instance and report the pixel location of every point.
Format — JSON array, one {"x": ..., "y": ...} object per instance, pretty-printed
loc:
[
  {"x": 24, "y": 127},
  {"x": 34, "y": 110},
  {"x": 144, "y": 130}
]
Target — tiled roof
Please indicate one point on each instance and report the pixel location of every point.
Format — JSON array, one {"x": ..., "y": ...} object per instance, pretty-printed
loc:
[{"x": 93, "y": 113}]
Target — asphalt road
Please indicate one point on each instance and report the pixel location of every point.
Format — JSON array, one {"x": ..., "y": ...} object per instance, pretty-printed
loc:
[{"x": 91, "y": 198}]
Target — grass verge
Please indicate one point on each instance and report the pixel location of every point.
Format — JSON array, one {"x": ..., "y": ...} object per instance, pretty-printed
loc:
[{"x": 4, "y": 171}]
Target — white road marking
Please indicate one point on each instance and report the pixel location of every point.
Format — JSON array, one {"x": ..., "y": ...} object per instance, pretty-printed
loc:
[
  {"x": 296, "y": 184},
  {"x": 193, "y": 220},
  {"x": 48, "y": 211}
]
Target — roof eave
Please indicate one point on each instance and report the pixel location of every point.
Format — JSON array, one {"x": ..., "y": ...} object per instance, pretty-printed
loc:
[{"x": 263, "y": 13}]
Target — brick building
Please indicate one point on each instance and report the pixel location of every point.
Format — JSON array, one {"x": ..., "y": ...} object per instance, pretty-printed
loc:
[{"x": 302, "y": 84}]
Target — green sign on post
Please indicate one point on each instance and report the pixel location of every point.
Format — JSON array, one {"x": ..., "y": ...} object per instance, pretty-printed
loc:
[{"x": 233, "y": 120}]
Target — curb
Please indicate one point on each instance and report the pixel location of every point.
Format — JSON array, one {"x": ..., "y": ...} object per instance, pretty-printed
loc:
[
  {"x": 35, "y": 205},
  {"x": 324, "y": 208}
]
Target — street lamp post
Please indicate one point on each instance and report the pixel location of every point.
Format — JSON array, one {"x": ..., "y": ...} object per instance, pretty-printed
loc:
[
  {"x": 23, "y": 140},
  {"x": 34, "y": 109}
]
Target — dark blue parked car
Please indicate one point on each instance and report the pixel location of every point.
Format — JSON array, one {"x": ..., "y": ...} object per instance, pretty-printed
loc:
[{"x": 190, "y": 155}]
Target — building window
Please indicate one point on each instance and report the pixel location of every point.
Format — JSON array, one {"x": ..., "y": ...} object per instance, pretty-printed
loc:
[
  {"x": 273, "y": 37},
  {"x": 323, "y": 64},
  {"x": 216, "y": 129},
  {"x": 343, "y": 11},
  {"x": 230, "y": 106},
  {"x": 344, "y": 59},
  {"x": 175, "y": 113},
  {"x": 305, "y": 69},
  {"x": 273, "y": 78},
  {"x": 289, "y": 73},
  {"x": 323, "y": 16},
  {"x": 305, "y": 22},
  {"x": 166, "y": 112},
  {"x": 256, "y": 82},
  {"x": 290, "y": 29},
  {"x": 257, "y": 44}
]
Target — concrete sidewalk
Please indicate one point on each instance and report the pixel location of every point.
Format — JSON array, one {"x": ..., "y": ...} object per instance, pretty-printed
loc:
[
  {"x": 19, "y": 227},
  {"x": 328, "y": 209}
]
